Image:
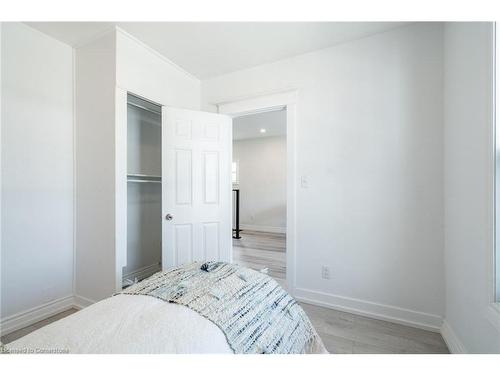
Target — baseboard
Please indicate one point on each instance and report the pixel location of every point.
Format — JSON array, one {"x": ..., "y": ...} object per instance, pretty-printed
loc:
[
  {"x": 143, "y": 272},
  {"x": 388, "y": 313},
  {"x": 262, "y": 228},
  {"x": 80, "y": 302},
  {"x": 393, "y": 314},
  {"x": 454, "y": 344},
  {"x": 35, "y": 314}
]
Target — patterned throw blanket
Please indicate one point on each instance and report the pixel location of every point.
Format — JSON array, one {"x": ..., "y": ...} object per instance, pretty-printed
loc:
[{"x": 253, "y": 311}]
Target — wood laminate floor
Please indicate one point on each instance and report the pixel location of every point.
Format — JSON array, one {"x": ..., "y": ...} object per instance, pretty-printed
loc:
[
  {"x": 344, "y": 333},
  {"x": 341, "y": 332},
  {"x": 259, "y": 250},
  {"x": 24, "y": 331}
]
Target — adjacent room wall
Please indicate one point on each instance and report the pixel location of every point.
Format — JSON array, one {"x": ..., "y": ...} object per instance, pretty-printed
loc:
[
  {"x": 369, "y": 142},
  {"x": 37, "y": 170},
  {"x": 262, "y": 183},
  {"x": 472, "y": 324}
]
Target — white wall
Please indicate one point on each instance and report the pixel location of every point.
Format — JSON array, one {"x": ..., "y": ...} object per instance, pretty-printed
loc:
[
  {"x": 142, "y": 71},
  {"x": 95, "y": 69},
  {"x": 37, "y": 169},
  {"x": 1, "y": 121},
  {"x": 468, "y": 188},
  {"x": 369, "y": 141},
  {"x": 262, "y": 182},
  {"x": 106, "y": 68}
]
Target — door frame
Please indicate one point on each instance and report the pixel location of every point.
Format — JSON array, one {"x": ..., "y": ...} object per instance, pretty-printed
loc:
[
  {"x": 266, "y": 103},
  {"x": 121, "y": 171}
]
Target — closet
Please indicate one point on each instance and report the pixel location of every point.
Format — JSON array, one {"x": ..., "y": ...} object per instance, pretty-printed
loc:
[
  {"x": 144, "y": 190},
  {"x": 152, "y": 186}
]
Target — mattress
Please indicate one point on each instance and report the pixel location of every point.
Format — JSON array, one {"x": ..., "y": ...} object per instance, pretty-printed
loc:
[{"x": 130, "y": 324}]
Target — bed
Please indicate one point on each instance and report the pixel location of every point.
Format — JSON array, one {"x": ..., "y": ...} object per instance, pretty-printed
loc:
[{"x": 212, "y": 307}]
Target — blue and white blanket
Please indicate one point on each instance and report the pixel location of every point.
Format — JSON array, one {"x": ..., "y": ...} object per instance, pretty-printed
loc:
[{"x": 255, "y": 313}]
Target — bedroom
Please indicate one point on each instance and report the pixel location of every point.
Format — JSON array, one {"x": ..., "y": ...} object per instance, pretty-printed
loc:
[{"x": 117, "y": 150}]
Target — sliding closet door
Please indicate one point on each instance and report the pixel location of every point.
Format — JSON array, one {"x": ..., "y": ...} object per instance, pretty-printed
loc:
[{"x": 196, "y": 186}]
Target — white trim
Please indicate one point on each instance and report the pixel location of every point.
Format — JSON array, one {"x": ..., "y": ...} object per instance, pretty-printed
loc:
[
  {"x": 80, "y": 302},
  {"x": 121, "y": 210},
  {"x": 35, "y": 314},
  {"x": 42, "y": 34},
  {"x": 259, "y": 111},
  {"x": 1, "y": 278},
  {"x": 493, "y": 309},
  {"x": 289, "y": 94},
  {"x": 94, "y": 37},
  {"x": 493, "y": 271},
  {"x": 288, "y": 99},
  {"x": 258, "y": 104},
  {"x": 143, "y": 272},
  {"x": 493, "y": 314},
  {"x": 455, "y": 346},
  {"x": 263, "y": 228},
  {"x": 411, "y": 318},
  {"x": 74, "y": 172},
  {"x": 156, "y": 53}
]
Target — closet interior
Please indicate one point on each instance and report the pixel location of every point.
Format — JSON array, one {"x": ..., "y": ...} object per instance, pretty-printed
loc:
[{"x": 144, "y": 231}]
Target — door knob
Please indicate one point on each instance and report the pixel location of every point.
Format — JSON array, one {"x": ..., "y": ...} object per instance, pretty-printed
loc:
[{"x": 168, "y": 217}]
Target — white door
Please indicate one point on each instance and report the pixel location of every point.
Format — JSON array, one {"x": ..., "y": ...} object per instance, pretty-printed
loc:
[{"x": 196, "y": 186}]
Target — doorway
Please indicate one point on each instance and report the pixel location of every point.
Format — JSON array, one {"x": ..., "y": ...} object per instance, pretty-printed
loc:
[
  {"x": 238, "y": 107},
  {"x": 259, "y": 179}
]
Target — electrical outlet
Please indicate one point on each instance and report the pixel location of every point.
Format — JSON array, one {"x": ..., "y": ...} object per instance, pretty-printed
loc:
[{"x": 325, "y": 272}]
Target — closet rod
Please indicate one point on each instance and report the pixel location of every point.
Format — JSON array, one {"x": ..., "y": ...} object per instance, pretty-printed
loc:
[
  {"x": 140, "y": 175},
  {"x": 153, "y": 181},
  {"x": 144, "y": 108}
]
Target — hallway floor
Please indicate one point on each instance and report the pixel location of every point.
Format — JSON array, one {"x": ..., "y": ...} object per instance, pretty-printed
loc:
[{"x": 259, "y": 250}]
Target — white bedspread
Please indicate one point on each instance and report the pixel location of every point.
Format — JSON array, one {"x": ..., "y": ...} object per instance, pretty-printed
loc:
[{"x": 129, "y": 324}]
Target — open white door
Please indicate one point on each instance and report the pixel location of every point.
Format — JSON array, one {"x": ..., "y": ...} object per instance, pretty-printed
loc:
[{"x": 196, "y": 186}]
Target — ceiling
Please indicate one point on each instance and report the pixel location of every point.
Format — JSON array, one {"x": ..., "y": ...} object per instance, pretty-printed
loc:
[
  {"x": 208, "y": 49},
  {"x": 247, "y": 127}
]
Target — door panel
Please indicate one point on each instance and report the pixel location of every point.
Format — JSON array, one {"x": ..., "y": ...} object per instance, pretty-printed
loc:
[
  {"x": 196, "y": 186},
  {"x": 183, "y": 176},
  {"x": 211, "y": 181},
  {"x": 211, "y": 240},
  {"x": 183, "y": 243}
]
